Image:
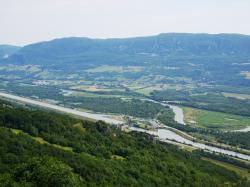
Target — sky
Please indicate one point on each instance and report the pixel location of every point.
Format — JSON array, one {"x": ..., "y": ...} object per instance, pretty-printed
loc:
[{"x": 27, "y": 21}]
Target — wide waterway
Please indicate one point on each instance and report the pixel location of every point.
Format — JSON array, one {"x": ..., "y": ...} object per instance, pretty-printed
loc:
[
  {"x": 165, "y": 134},
  {"x": 178, "y": 111}
]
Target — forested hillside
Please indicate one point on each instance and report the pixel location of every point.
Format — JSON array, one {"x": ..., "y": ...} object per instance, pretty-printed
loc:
[
  {"x": 7, "y": 50},
  {"x": 42, "y": 149}
]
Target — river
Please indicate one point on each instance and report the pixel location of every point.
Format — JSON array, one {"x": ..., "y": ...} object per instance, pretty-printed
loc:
[
  {"x": 178, "y": 111},
  {"x": 165, "y": 134}
]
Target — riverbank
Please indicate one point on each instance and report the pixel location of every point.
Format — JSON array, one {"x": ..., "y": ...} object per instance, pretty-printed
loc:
[
  {"x": 165, "y": 134},
  {"x": 243, "y": 130}
]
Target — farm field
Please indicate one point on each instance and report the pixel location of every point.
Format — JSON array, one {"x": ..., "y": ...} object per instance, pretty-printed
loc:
[
  {"x": 117, "y": 69},
  {"x": 236, "y": 95},
  {"x": 147, "y": 90},
  {"x": 88, "y": 94},
  {"x": 211, "y": 119}
]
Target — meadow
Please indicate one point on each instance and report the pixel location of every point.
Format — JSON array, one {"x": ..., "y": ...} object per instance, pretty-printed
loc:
[
  {"x": 236, "y": 95},
  {"x": 211, "y": 119}
]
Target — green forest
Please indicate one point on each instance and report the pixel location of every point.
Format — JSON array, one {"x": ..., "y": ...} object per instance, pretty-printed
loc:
[{"x": 39, "y": 148}]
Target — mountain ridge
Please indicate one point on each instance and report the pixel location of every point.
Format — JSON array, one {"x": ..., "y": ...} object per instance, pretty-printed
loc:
[
  {"x": 131, "y": 50},
  {"x": 174, "y": 36},
  {"x": 138, "y": 37}
]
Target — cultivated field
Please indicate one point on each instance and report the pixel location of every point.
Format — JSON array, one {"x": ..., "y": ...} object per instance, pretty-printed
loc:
[{"x": 211, "y": 119}]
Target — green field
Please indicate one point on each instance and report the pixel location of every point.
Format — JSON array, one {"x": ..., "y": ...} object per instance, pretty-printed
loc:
[
  {"x": 246, "y": 74},
  {"x": 236, "y": 95},
  {"x": 117, "y": 69},
  {"x": 82, "y": 94},
  {"x": 150, "y": 87},
  {"x": 211, "y": 119}
]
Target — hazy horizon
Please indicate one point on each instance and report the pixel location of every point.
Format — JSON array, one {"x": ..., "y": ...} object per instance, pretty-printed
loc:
[
  {"x": 119, "y": 37},
  {"x": 25, "y": 22}
]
